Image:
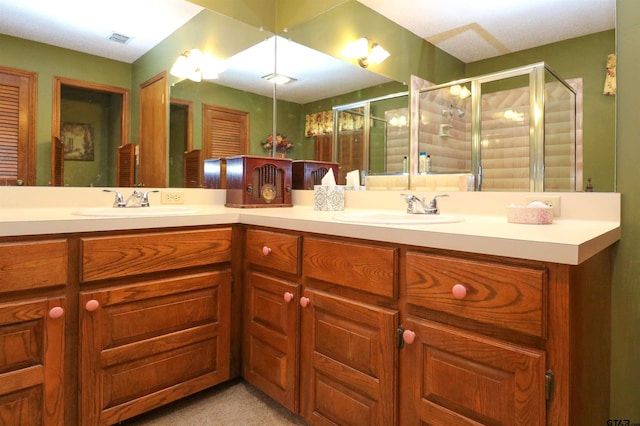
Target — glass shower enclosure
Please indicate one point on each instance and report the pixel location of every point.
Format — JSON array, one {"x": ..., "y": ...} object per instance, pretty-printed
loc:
[
  {"x": 372, "y": 136},
  {"x": 515, "y": 130}
]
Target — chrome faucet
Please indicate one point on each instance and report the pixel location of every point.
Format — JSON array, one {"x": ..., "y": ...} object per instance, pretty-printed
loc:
[
  {"x": 431, "y": 208},
  {"x": 119, "y": 200},
  {"x": 136, "y": 199}
]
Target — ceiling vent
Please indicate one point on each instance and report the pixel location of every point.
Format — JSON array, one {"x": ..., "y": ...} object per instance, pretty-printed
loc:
[{"x": 119, "y": 38}]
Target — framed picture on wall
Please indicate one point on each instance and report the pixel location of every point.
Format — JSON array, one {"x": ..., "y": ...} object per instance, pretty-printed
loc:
[{"x": 78, "y": 141}]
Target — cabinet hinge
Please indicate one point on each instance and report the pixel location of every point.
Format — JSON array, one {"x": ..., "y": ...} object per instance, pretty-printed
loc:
[
  {"x": 399, "y": 333},
  {"x": 548, "y": 385}
]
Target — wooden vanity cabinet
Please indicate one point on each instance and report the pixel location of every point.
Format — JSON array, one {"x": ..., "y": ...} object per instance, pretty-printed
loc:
[
  {"x": 154, "y": 320},
  {"x": 320, "y": 332},
  {"x": 33, "y": 313},
  {"x": 501, "y": 341},
  {"x": 271, "y": 313},
  {"x": 349, "y": 325}
]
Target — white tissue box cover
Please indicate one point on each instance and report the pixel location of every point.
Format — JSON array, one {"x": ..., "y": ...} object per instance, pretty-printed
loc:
[
  {"x": 530, "y": 215},
  {"x": 328, "y": 198}
]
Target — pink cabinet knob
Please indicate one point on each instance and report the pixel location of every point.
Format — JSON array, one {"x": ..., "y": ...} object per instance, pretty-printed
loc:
[
  {"x": 459, "y": 291},
  {"x": 408, "y": 336},
  {"x": 92, "y": 305},
  {"x": 55, "y": 313},
  {"x": 266, "y": 250},
  {"x": 288, "y": 297},
  {"x": 304, "y": 302}
]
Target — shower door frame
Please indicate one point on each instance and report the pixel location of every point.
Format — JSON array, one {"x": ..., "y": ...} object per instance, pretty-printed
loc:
[{"x": 536, "y": 74}]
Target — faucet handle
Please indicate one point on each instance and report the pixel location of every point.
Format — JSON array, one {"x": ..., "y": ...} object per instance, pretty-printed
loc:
[
  {"x": 144, "y": 202},
  {"x": 119, "y": 200},
  {"x": 409, "y": 197},
  {"x": 433, "y": 204}
]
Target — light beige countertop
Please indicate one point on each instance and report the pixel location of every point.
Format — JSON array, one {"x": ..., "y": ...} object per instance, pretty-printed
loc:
[{"x": 589, "y": 222}]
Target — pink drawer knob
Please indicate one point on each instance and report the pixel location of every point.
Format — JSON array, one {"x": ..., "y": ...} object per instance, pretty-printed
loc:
[
  {"x": 304, "y": 302},
  {"x": 459, "y": 291},
  {"x": 266, "y": 250},
  {"x": 92, "y": 305},
  {"x": 408, "y": 336},
  {"x": 55, "y": 313},
  {"x": 288, "y": 297}
]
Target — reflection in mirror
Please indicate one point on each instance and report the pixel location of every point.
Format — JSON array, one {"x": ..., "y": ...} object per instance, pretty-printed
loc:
[
  {"x": 372, "y": 137},
  {"x": 92, "y": 123},
  {"x": 583, "y": 57},
  {"x": 323, "y": 28},
  {"x": 514, "y": 130}
]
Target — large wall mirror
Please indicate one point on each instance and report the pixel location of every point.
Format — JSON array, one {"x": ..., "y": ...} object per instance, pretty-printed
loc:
[{"x": 277, "y": 40}]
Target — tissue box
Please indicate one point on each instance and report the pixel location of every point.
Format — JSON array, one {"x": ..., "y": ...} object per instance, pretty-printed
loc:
[
  {"x": 530, "y": 215},
  {"x": 328, "y": 198}
]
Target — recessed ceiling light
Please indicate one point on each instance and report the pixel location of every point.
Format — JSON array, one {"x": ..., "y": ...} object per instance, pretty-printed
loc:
[
  {"x": 278, "y": 78},
  {"x": 119, "y": 38}
]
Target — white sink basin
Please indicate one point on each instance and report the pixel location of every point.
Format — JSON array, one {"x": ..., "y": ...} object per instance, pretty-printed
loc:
[
  {"x": 135, "y": 211},
  {"x": 395, "y": 218}
]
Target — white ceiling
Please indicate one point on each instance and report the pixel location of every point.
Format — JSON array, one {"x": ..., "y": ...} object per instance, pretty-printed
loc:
[
  {"x": 84, "y": 25},
  {"x": 467, "y": 29},
  {"x": 472, "y": 30}
]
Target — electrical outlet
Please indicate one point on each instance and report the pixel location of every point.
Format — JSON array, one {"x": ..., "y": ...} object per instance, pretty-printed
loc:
[
  {"x": 171, "y": 197},
  {"x": 550, "y": 200}
]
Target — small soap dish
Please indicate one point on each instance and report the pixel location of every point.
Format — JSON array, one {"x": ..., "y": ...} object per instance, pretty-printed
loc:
[{"x": 536, "y": 213}]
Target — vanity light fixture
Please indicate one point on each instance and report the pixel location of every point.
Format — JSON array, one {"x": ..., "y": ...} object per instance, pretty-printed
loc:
[
  {"x": 366, "y": 53},
  {"x": 278, "y": 78},
  {"x": 196, "y": 66}
]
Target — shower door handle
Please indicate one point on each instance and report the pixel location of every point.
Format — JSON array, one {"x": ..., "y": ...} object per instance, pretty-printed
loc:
[{"x": 479, "y": 186}]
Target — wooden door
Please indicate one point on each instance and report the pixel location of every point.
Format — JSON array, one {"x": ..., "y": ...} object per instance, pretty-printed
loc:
[
  {"x": 125, "y": 176},
  {"x": 350, "y": 153},
  {"x": 153, "y": 132},
  {"x": 17, "y": 127},
  {"x": 57, "y": 162},
  {"x": 348, "y": 355},
  {"x": 323, "y": 147},
  {"x": 31, "y": 364},
  {"x": 270, "y": 346},
  {"x": 225, "y": 132},
  {"x": 450, "y": 376},
  {"x": 193, "y": 169}
]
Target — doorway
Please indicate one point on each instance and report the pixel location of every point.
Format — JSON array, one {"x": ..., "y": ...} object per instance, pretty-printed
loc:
[
  {"x": 180, "y": 140},
  {"x": 91, "y": 121}
]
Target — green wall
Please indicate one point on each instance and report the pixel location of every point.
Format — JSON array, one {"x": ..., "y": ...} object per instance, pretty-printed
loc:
[
  {"x": 625, "y": 344},
  {"x": 584, "y": 57},
  {"x": 49, "y": 61}
]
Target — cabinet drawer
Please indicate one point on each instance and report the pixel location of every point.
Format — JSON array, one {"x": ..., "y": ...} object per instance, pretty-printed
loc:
[
  {"x": 362, "y": 267},
  {"x": 273, "y": 250},
  {"x": 507, "y": 296},
  {"x": 120, "y": 256},
  {"x": 29, "y": 265}
]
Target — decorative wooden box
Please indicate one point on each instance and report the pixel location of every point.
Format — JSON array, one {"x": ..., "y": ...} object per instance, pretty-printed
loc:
[
  {"x": 254, "y": 181},
  {"x": 215, "y": 173},
  {"x": 306, "y": 173}
]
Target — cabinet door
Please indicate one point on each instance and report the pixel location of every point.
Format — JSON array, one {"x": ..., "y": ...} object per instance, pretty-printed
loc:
[
  {"x": 453, "y": 377},
  {"x": 348, "y": 355},
  {"x": 146, "y": 344},
  {"x": 271, "y": 337},
  {"x": 31, "y": 362}
]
